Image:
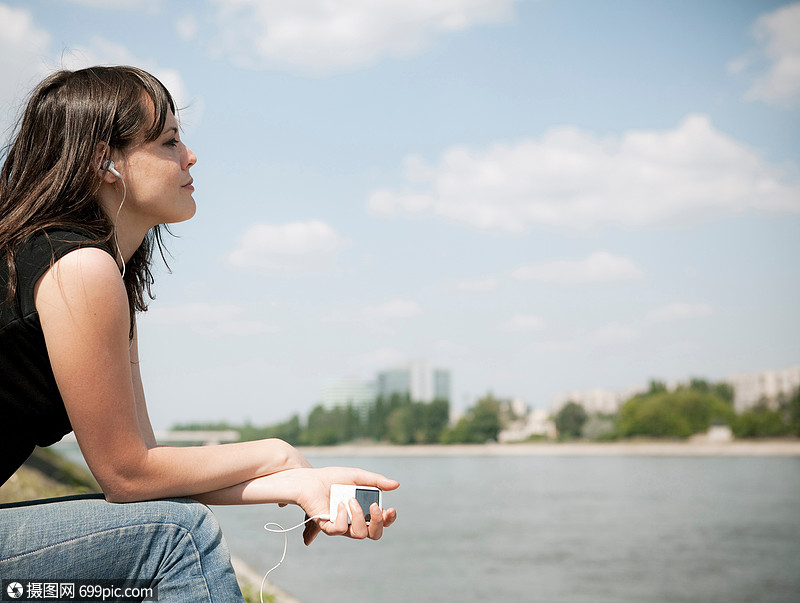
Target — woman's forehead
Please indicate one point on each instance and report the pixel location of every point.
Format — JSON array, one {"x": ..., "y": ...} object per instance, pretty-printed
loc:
[{"x": 171, "y": 122}]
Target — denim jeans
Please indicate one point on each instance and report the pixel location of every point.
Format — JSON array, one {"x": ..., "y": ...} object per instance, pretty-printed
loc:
[{"x": 175, "y": 544}]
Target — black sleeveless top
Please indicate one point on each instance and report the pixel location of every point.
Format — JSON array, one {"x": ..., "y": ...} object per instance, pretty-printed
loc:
[{"x": 31, "y": 409}]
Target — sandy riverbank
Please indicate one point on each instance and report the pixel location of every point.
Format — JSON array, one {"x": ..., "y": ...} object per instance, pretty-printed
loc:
[{"x": 641, "y": 448}]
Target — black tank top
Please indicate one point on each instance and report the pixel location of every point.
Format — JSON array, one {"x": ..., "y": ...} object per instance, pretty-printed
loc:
[{"x": 31, "y": 409}]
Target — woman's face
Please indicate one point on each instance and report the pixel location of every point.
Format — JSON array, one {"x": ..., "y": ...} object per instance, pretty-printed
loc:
[{"x": 156, "y": 174}]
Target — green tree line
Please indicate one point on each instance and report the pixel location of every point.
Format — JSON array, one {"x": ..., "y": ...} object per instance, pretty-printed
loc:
[
  {"x": 659, "y": 412},
  {"x": 687, "y": 410},
  {"x": 395, "y": 419}
]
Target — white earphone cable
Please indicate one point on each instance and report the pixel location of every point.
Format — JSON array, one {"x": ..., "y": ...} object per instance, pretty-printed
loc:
[
  {"x": 116, "y": 241},
  {"x": 281, "y": 530}
]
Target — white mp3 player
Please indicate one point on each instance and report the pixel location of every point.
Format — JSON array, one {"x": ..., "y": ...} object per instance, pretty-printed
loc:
[{"x": 365, "y": 495}]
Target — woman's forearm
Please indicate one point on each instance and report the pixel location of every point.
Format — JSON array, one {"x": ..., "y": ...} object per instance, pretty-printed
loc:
[
  {"x": 281, "y": 488},
  {"x": 307, "y": 487},
  {"x": 165, "y": 471}
]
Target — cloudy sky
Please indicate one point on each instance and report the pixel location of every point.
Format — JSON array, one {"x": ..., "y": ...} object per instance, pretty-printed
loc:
[{"x": 539, "y": 195}]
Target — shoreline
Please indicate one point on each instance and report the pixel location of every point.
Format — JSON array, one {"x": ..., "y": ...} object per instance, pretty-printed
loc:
[{"x": 779, "y": 448}]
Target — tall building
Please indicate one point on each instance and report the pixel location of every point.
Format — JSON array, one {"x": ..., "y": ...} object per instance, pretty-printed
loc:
[
  {"x": 359, "y": 394},
  {"x": 420, "y": 381},
  {"x": 752, "y": 388}
]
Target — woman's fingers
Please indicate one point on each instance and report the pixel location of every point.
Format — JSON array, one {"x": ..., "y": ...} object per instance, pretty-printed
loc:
[
  {"x": 389, "y": 516},
  {"x": 376, "y": 522},
  {"x": 361, "y": 477},
  {"x": 358, "y": 529},
  {"x": 358, "y": 526},
  {"x": 310, "y": 532},
  {"x": 341, "y": 525}
]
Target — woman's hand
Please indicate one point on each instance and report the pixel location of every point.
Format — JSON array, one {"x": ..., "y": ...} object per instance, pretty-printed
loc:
[
  {"x": 315, "y": 500},
  {"x": 310, "y": 489}
]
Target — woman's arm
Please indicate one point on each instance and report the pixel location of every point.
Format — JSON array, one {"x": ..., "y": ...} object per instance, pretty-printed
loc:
[{"x": 83, "y": 310}]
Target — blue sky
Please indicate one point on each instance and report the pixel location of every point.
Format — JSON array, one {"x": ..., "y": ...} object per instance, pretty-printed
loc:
[{"x": 541, "y": 196}]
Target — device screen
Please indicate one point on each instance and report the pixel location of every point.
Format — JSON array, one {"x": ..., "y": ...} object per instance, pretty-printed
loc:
[{"x": 365, "y": 498}]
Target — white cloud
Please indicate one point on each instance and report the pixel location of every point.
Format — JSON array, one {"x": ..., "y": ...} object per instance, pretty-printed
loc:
[
  {"x": 24, "y": 49},
  {"x": 294, "y": 246},
  {"x": 679, "y": 311},
  {"x": 571, "y": 179},
  {"x": 209, "y": 319},
  {"x": 327, "y": 36},
  {"x": 187, "y": 27},
  {"x": 523, "y": 323},
  {"x": 777, "y": 58},
  {"x": 396, "y": 308},
  {"x": 599, "y": 267}
]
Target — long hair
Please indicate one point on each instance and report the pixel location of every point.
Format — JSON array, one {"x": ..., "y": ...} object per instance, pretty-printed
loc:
[{"x": 49, "y": 177}]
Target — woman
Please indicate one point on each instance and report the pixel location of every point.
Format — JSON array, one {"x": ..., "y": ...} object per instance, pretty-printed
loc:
[{"x": 97, "y": 165}]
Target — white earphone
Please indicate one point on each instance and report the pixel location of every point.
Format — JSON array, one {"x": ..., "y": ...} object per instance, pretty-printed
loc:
[{"x": 109, "y": 165}]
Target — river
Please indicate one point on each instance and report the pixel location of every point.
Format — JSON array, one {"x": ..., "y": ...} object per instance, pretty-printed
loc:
[{"x": 569, "y": 529}]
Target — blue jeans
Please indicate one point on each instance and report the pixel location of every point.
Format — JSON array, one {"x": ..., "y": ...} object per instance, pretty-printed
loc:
[{"x": 174, "y": 544}]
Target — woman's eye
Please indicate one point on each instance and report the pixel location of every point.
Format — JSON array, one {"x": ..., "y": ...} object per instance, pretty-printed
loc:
[{"x": 172, "y": 142}]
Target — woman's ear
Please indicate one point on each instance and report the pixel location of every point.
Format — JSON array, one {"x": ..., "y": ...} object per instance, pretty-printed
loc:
[{"x": 101, "y": 162}]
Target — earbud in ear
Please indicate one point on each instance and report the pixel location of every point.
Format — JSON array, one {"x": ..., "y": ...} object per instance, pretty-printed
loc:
[{"x": 109, "y": 165}]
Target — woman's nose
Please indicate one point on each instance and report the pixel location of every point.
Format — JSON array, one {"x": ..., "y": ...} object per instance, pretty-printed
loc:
[{"x": 191, "y": 158}]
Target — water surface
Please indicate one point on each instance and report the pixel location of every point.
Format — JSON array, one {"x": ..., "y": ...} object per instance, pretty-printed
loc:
[{"x": 552, "y": 529}]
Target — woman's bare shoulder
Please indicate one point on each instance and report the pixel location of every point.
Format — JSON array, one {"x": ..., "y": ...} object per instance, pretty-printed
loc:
[{"x": 84, "y": 276}]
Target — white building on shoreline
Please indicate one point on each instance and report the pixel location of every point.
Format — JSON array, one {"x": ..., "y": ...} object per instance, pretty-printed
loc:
[
  {"x": 536, "y": 423},
  {"x": 595, "y": 401},
  {"x": 752, "y": 388}
]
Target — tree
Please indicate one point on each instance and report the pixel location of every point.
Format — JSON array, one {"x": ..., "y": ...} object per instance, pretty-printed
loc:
[
  {"x": 599, "y": 428},
  {"x": 722, "y": 390},
  {"x": 401, "y": 425},
  {"x": 486, "y": 423},
  {"x": 794, "y": 413},
  {"x": 435, "y": 419},
  {"x": 673, "y": 414},
  {"x": 480, "y": 424},
  {"x": 570, "y": 419},
  {"x": 377, "y": 418},
  {"x": 761, "y": 421},
  {"x": 653, "y": 416},
  {"x": 656, "y": 387},
  {"x": 288, "y": 430}
]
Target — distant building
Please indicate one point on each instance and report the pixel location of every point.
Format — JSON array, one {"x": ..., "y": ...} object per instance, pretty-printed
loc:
[
  {"x": 418, "y": 380},
  {"x": 359, "y": 394},
  {"x": 752, "y": 388},
  {"x": 537, "y": 422},
  {"x": 594, "y": 401}
]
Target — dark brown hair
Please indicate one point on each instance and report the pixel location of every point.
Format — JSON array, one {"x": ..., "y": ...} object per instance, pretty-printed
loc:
[{"x": 49, "y": 177}]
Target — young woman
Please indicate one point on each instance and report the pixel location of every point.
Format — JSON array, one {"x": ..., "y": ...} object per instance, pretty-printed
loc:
[{"x": 96, "y": 166}]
